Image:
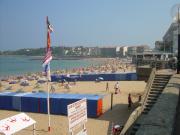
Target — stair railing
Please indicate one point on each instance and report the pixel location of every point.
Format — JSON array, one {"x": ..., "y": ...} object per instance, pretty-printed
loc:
[{"x": 137, "y": 112}]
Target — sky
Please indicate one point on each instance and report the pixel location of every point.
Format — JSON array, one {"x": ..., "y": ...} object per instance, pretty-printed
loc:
[{"x": 83, "y": 22}]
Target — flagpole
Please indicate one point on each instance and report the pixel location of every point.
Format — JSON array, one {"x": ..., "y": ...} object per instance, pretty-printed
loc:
[
  {"x": 48, "y": 75},
  {"x": 46, "y": 65},
  {"x": 48, "y": 105},
  {"x": 49, "y": 118}
]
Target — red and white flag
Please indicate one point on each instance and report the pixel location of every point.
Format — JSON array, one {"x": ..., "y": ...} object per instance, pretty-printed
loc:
[{"x": 48, "y": 55}]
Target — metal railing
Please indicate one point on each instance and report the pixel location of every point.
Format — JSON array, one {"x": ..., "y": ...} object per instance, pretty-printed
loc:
[{"x": 137, "y": 112}]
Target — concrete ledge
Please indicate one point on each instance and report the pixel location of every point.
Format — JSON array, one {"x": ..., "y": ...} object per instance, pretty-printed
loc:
[{"x": 160, "y": 119}]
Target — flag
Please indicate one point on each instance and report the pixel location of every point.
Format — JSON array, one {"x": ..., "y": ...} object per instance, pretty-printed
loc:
[
  {"x": 48, "y": 55},
  {"x": 47, "y": 58},
  {"x": 49, "y": 26}
]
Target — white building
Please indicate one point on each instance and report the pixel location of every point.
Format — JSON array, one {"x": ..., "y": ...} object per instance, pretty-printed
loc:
[{"x": 123, "y": 51}]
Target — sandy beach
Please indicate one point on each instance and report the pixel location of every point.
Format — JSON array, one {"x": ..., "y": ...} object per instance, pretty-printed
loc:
[{"x": 95, "y": 126}]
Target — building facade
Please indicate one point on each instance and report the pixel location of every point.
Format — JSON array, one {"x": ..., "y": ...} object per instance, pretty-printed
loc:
[
  {"x": 131, "y": 50},
  {"x": 170, "y": 39},
  {"x": 108, "y": 51},
  {"x": 142, "y": 48}
]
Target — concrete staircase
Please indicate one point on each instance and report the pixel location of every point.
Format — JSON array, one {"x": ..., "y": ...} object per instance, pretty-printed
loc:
[{"x": 159, "y": 83}]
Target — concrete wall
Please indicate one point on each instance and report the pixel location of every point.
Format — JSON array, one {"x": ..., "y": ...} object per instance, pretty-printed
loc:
[
  {"x": 160, "y": 120},
  {"x": 143, "y": 73}
]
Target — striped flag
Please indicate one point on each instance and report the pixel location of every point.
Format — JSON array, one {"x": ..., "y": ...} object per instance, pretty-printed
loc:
[
  {"x": 49, "y": 26},
  {"x": 48, "y": 56}
]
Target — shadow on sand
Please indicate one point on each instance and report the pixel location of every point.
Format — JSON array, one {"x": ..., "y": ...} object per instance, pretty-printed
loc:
[{"x": 118, "y": 115}]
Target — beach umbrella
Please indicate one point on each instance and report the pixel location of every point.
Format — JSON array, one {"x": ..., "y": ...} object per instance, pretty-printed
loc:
[
  {"x": 42, "y": 80},
  {"x": 13, "y": 82},
  {"x": 101, "y": 78},
  {"x": 24, "y": 83}
]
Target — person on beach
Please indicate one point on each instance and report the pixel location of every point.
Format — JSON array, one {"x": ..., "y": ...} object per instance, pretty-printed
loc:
[
  {"x": 52, "y": 89},
  {"x": 116, "y": 87},
  {"x": 139, "y": 98},
  {"x": 67, "y": 86},
  {"x": 124, "y": 70},
  {"x": 62, "y": 82},
  {"x": 107, "y": 86},
  {"x": 129, "y": 101}
]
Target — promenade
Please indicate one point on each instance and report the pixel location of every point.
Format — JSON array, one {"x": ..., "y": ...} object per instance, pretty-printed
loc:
[{"x": 162, "y": 118}]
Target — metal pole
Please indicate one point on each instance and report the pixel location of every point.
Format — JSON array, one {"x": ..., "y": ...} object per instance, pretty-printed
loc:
[
  {"x": 111, "y": 100},
  {"x": 48, "y": 109},
  {"x": 178, "y": 58},
  {"x": 34, "y": 128}
]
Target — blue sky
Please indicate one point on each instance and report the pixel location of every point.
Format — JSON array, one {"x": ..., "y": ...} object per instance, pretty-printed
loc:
[{"x": 83, "y": 22}]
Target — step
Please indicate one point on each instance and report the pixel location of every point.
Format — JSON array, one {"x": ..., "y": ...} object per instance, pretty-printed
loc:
[
  {"x": 153, "y": 95},
  {"x": 152, "y": 98},
  {"x": 147, "y": 109},
  {"x": 158, "y": 81},
  {"x": 159, "y": 77},
  {"x": 163, "y": 75},
  {"x": 158, "y": 86},
  {"x": 155, "y": 92},
  {"x": 150, "y": 102},
  {"x": 149, "y": 105},
  {"x": 161, "y": 81},
  {"x": 156, "y": 89}
]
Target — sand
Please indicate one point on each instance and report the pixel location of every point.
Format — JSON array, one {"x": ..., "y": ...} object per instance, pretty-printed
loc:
[{"x": 95, "y": 126}]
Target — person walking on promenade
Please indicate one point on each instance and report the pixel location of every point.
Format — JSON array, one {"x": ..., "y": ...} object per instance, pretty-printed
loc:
[
  {"x": 107, "y": 86},
  {"x": 129, "y": 101}
]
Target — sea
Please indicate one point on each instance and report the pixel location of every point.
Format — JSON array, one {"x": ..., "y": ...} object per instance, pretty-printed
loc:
[{"x": 18, "y": 65}]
